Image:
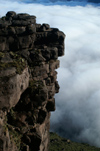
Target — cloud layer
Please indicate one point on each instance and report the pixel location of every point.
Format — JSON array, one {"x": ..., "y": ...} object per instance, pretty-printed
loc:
[{"x": 77, "y": 115}]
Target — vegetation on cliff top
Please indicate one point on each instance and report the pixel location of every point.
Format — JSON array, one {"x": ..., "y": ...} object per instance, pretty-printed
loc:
[{"x": 58, "y": 143}]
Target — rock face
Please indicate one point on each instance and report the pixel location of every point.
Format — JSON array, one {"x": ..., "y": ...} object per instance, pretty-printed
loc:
[{"x": 28, "y": 59}]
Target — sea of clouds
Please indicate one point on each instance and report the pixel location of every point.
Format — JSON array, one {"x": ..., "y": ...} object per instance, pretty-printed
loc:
[{"x": 77, "y": 114}]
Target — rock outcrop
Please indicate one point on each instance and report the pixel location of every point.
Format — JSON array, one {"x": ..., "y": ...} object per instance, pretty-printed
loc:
[{"x": 28, "y": 59}]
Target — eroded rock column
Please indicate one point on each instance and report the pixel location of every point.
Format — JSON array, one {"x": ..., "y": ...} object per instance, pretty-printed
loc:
[{"x": 28, "y": 59}]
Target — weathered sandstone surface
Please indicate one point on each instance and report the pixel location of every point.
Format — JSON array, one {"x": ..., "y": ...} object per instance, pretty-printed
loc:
[{"x": 28, "y": 59}]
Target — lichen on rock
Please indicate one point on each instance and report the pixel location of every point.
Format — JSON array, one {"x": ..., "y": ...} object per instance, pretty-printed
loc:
[{"x": 28, "y": 58}]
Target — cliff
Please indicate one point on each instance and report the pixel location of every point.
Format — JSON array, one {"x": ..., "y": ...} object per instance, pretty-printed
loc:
[{"x": 28, "y": 59}]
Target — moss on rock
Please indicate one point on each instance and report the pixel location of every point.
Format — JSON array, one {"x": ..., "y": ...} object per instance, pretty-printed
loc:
[
  {"x": 19, "y": 63},
  {"x": 35, "y": 86}
]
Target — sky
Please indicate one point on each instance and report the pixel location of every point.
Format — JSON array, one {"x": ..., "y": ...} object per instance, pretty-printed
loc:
[{"x": 77, "y": 115}]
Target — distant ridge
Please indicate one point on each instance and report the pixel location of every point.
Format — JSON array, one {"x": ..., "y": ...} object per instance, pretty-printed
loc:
[
  {"x": 63, "y": 2},
  {"x": 46, "y": 1},
  {"x": 94, "y": 1},
  {"x": 58, "y": 143}
]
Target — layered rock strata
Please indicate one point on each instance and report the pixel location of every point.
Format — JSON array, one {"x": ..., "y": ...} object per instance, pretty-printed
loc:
[{"x": 28, "y": 59}]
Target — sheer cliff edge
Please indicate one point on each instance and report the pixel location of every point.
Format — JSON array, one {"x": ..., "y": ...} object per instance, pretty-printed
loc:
[{"x": 28, "y": 58}]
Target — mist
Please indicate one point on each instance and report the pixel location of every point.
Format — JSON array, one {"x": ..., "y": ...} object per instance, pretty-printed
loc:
[{"x": 77, "y": 115}]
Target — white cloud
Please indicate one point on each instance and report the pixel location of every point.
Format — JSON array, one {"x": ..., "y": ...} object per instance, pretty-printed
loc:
[{"x": 78, "y": 103}]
